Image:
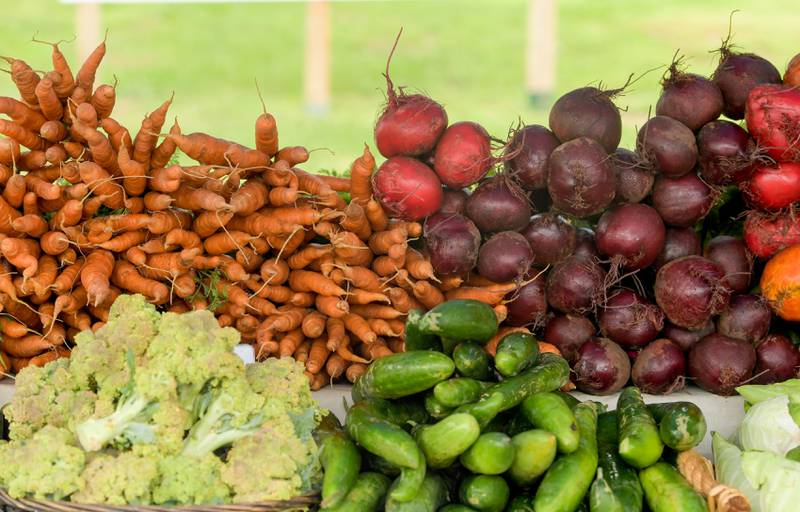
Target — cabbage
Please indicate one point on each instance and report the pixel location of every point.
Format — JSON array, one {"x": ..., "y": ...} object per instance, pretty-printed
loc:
[
  {"x": 777, "y": 478},
  {"x": 754, "y": 393},
  {"x": 769, "y": 426},
  {"x": 728, "y": 463}
]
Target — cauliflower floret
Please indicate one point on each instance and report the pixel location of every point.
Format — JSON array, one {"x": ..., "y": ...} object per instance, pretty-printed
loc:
[
  {"x": 282, "y": 379},
  {"x": 191, "y": 480},
  {"x": 47, "y": 466},
  {"x": 119, "y": 478}
]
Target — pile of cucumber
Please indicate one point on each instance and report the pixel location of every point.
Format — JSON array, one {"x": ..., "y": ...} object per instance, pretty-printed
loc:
[{"x": 445, "y": 427}]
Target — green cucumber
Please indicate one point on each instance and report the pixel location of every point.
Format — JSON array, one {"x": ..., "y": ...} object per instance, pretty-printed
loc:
[
  {"x": 381, "y": 437},
  {"x": 472, "y": 360},
  {"x": 407, "y": 485},
  {"x": 667, "y": 491},
  {"x": 602, "y": 497},
  {"x": 449, "y": 345},
  {"x": 404, "y": 374},
  {"x": 486, "y": 493},
  {"x": 613, "y": 474},
  {"x": 456, "y": 507},
  {"x": 639, "y": 441},
  {"x": 570, "y": 400},
  {"x": 681, "y": 425},
  {"x": 365, "y": 496},
  {"x": 550, "y": 412},
  {"x": 416, "y": 339},
  {"x": 444, "y": 441},
  {"x": 432, "y": 495},
  {"x": 520, "y": 503},
  {"x": 341, "y": 461},
  {"x": 491, "y": 454},
  {"x": 534, "y": 452},
  {"x": 435, "y": 408},
  {"x": 460, "y": 320},
  {"x": 400, "y": 412},
  {"x": 458, "y": 391},
  {"x": 566, "y": 482},
  {"x": 515, "y": 352}
]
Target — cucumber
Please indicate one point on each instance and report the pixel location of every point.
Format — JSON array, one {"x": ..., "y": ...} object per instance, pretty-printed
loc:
[
  {"x": 491, "y": 454},
  {"x": 550, "y": 373},
  {"x": 458, "y": 391},
  {"x": 534, "y": 452},
  {"x": 407, "y": 485},
  {"x": 550, "y": 412},
  {"x": 570, "y": 400},
  {"x": 515, "y": 352},
  {"x": 449, "y": 345},
  {"x": 486, "y": 493},
  {"x": 403, "y": 374},
  {"x": 435, "y": 408},
  {"x": 341, "y": 461},
  {"x": 400, "y": 412},
  {"x": 566, "y": 482},
  {"x": 681, "y": 425},
  {"x": 381, "y": 437},
  {"x": 414, "y": 338},
  {"x": 520, "y": 503},
  {"x": 444, "y": 441},
  {"x": 460, "y": 320},
  {"x": 432, "y": 495},
  {"x": 639, "y": 441},
  {"x": 365, "y": 496},
  {"x": 613, "y": 474},
  {"x": 456, "y": 507},
  {"x": 667, "y": 491},
  {"x": 472, "y": 360}
]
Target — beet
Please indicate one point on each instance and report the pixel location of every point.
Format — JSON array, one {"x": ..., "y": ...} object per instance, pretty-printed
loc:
[
  {"x": 504, "y": 257},
  {"x": 668, "y": 145},
  {"x": 659, "y": 368},
  {"x": 528, "y": 305},
  {"x": 581, "y": 180},
  {"x": 689, "y": 291},
  {"x": 407, "y": 188},
  {"x": 498, "y": 204},
  {"x": 746, "y": 318},
  {"x": 633, "y": 180},
  {"x": 587, "y": 112},
  {"x": 452, "y": 241},
  {"x": 679, "y": 242},
  {"x": 726, "y": 151},
  {"x": 531, "y": 147},
  {"x": 632, "y": 233},
  {"x": 585, "y": 243},
  {"x": 568, "y": 333},
  {"x": 692, "y": 99},
  {"x": 686, "y": 338},
  {"x": 718, "y": 363},
  {"x": 576, "y": 284},
  {"x": 732, "y": 256},
  {"x": 683, "y": 201},
  {"x": 767, "y": 233},
  {"x": 737, "y": 74},
  {"x": 454, "y": 201},
  {"x": 463, "y": 155},
  {"x": 551, "y": 237},
  {"x": 601, "y": 367},
  {"x": 773, "y": 188},
  {"x": 777, "y": 360},
  {"x": 629, "y": 319}
]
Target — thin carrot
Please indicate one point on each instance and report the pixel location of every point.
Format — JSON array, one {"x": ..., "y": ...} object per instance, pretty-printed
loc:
[
  {"x": 99, "y": 145},
  {"x": 289, "y": 343},
  {"x": 87, "y": 115},
  {"x": 156, "y": 201},
  {"x": 244, "y": 157},
  {"x": 118, "y": 135},
  {"x": 491, "y": 297},
  {"x": 23, "y": 253},
  {"x": 317, "y": 356},
  {"x": 361, "y": 177},
  {"x": 355, "y": 220},
  {"x": 249, "y": 198},
  {"x": 382, "y": 327},
  {"x": 208, "y": 222},
  {"x": 164, "y": 151},
  {"x": 402, "y": 300},
  {"x": 501, "y": 312},
  {"x": 103, "y": 100},
  {"x": 162, "y": 222},
  {"x": 336, "y": 183},
  {"x": 25, "y": 78},
  {"x": 386, "y": 266},
  {"x": 46, "y": 95},
  {"x": 355, "y": 370},
  {"x": 356, "y": 324},
  {"x": 21, "y": 135},
  {"x": 283, "y": 196},
  {"x": 375, "y": 311},
  {"x": 101, "y": 184},
  {"x": 135, "y": 173},
  {"x": 376, "y": 215},
  {"x": 67, "y": 215},
  {"x": 86, "y": 74},
  {"x": 12, "y": 328},
  {"x": 377, "y": 350},
  {"x": 67, "y": 278},
  {"x": 182, "y": 238},
  {"x": 293, "y": 155},
  {"x": 52, "y": 131},
  {"x": 331, "y": 306},
  {"x": 145, "y": 141},
  {"x": 350, "y": 250},
  {"x": 301, "y": 353},
  {"x": 305, "y": 281},
  {"x": 358, "y": 296},
  {"x": 67, "y": 257},
  {"x": 320, "y": 380},
  {"x": 22, "y": 114},
  {"x": 335, "y": 366},
  {"x": 548, "y": 347},
  {"x": 185, "y": 285},
  {"x": 307, "y": 255},
  {"x": 45, "y": 274},
  {"x": 95, "y": 275},
  {"x": 75, "y": 149},
  {"x": 202, "y": 147},
  {"x": 56, "y": 154},
  {"x": 427, "y": 294},
  {"x": 225, "y": 242},
  {"x": 31, "y": 225},
  {"x": 124, "y": 241},
  {"x": 274, "y": 271}
]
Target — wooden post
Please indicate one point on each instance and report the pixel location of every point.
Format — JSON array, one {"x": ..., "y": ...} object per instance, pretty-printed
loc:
[
  {"x": 87, "y": 28},
  {"x": 540, "y": 51},
  {"x": 317, "y": 80}
]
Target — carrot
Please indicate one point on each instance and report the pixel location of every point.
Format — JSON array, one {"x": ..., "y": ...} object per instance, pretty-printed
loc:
[
  {"x": 67, "y": 257},
  {"x": 358, "y": 296},
  {"x": 100, "y": 183},
  {"x": 301, "y": 353},
  {"x": 208, "y": 222},
  {"x": 377, "y": 350},
  {"x": 12, "y": 328},
  {"x": 156, "y": 201},
  {"x": 376, "y": 311},
  {"x": 266, "y": 133},
  {"x": 549, "y": 348},
  {"x": 127, "y": 221},
  {"x": 21, "y": 135},
  {"x": 382, "y": 327},
  {"x": 87, "y": 115},
  {"x": 491, "y": 345},
  {"x": 258, "y": 224},
  {"x": 21, "y": 113},
  {"x": 86, "y": 74},
  {"x": 307, "y": 255},
  {"x": 31, "y": 225},
  {"x": 350, "y": 250},
  {"x": 33, "y": 344},
  {"x": 42, "y": 188},
  {"x": 5, "y": 173},
  {"x": 317, "y": 356},
  {"x": 355, "y": 370},
  {"x": 244, "y": 157},
  {"x": 45, "y": 274},
  {"x": 25, "y": 79},
  {"x": 289, "y": 343},
  {"x": 302, "y": 299},
  {"x": 331, "y": 306},
  {"x": 225, "y": 242},
  {"x": 7, "y": 216},
  {"x": 95, "y": 276},
  {"x": 184, "y": 285},
  {"x": 418, "y": 266},
  {"x": 162, "y": 222},
  {"x": 145, "y": 141},
  {"x": 305, "y": 281},
  {"x": 376, "y": 216},
  {"x": 402, "y": 301},
  {"x": 166, "y": 179},
  {"x": 356, "y": 324},
  {"x": 126, "y": 277},
  {"x": 56, "y": 154},
  {"x": 102, "y": 151},
  {"x": 202, "y": 147},
  {"x": 124, "y": 241},
  {"x": 279, "y": 294},
  {"x": 194, "y": 199},
  {"x": 249, "y": 198},
  {"x": 313, "y": 325},
  {"x": 356, "y": 221},
  {"x": 118, "y": 135},
  {"x": 68, "y": 276},
  {"x": 48, "y": 100},
  {"x": 361, "y": 277},
  {"x": 396, "y": 345},
  {"x": 182, "y": 238},
  {"x": 75, "y": 150},
  {"x": 249, "y": 259},
  {"x": 427, "y": 294},
  {"x": 292, "y": 155},
  {"x": 52, "y": 131},
  {"x": 361, "y": 177},
  {"x": 31, "y": 160},
  {"x": 336, "y": 183},
  {"x": 381, "y": 241},
  {"x": 164, "y": 151},
  {"x": 274, "y": 272},
  {"x": 320, "y": 380},
  {"x": 9, "y": 152},
  {"x": 483, "y": 294},
  {"x": 385, "y": 266},
  {"x": 135, "y": 180},
  {"x": 501, "y": 312},
  {"x": 67, "y": 215},
  {"x": 103, "y": 100},
  {"x": 335, "y": 366},
  {"x": 247, "y": 324},
  {"x": 23, "y": 253}
]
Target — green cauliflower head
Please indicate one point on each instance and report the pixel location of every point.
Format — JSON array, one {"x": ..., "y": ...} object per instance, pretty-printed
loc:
[
  {"x": 191, "y": 480},
  {"x": 283, "y": 380},
  {"x": 119, "y": 478}
]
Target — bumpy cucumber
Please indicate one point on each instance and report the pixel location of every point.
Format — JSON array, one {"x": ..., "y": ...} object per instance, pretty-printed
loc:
[
  {"x": 534, "y": 452},
  {"x": 416, "y": 339},
  {"x": 639, "y": 440},
  {"x": 460, "y": 320},
  {"x": 365, "y": 496},
  {"x": 458, "y": 391},
  {"x": 681, "y": 425},
  {"x": 341, "y": 461},
  {"x": 403, "y": 374},
  {"x": 515, "y": 352},
  {"x": 472, "y": 360},
  {"x": 549, "y": 412},
  {"x": 667, "y": 491}
]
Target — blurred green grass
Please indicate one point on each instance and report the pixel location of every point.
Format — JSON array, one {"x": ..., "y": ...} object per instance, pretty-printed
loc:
[{"x": 466, "y": 54}]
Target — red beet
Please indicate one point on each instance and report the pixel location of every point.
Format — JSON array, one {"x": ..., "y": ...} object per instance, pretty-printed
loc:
[
  {"x": 463, "y": 154},
  {"x": 718, "y": 364},
  {"x": 777, "y": 360},
  {"x": 679, "y": 242},
  {"x": 773, "y": 188},
  {"x": 531, "y": 147},
  {"x": 504, "y": 257},
  {"x": 407, "y": 188},
  {"x": 601, "y": 367},
  {"x": 568, "y": 333},
  {"x": 634, "y": 180},
  {"x": 683, "y": 201},
  {"x": 737, "y": 74},
  {"x": 767, "y": 233},
  {"x": 584, "y": 243},
  {"x": 581, "y": 180},
  {"x": 575, "y": 285},
  {"x": 454, "y": 201},
  {"x": 659, "y": 368},
  {"x": 528, "y": 305},
  {"x": 692, "y": 99},
  {"x": 551, "y": 237},
  {"x": 498, "y": 204},
  {"x": 587, "y": 112},
  {"x": 726, "y": 151},
  {"x": 452, "y": 241},
  {"x": 632, "y": 233},
  {"x": 746, "y": 318},
  {"x": 668, "y": 145},
  {"x": 629, "y": 319},
  {"x": 686, "y": 338},
  {"x": 732, "y": 256},
  {"x": 689, "y": 291},
  {"x": 773, "y": 119}
]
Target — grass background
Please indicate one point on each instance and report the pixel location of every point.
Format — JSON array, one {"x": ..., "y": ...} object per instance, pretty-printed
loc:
[{"x": 467, "y": 54}]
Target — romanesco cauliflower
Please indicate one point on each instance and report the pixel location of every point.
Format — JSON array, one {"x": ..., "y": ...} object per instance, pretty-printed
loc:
[
  {"x": 185, "y": 479},
  {"x": 119, "y": 478}
]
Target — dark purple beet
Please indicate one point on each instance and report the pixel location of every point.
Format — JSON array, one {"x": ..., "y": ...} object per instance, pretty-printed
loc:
[
  {"x": 551, "y": 237},
  {"x": 686, "y": 338},
  {"x": 531, "y": 147},
  {"x": 587, "y": 112},
  {"x": 668, "y": 145},
  {"x": 528, "y": 305},
  {"x": 568, "y": 333},
  {"x": 659, "y": 368},
  {"x": 737, "y": 73},
  {"x": 689, "y": 291},
  {"x": 718, "y": 364},
  {"x": 746, "y": 318},
  {"x": 631, "y": 232},
  {"x": 601, "y": 367},
  {"x": 683, "y": 201},
  {"x": 679, "y": 242},
  {"x": 692, "y": 99},
  {"x": 732, "y": 256},
  {"x": 777, "y": 360},
  {"x": 629, "y": 319},
  {"x": 581, "y": 180},
  {"x": 452, "y": 241},
  {"x": 504, "y": 257},
  {"x": 453, "y": 201},
  {"x": 634, "y": 180},
  {"x": 725, "y": 153},
  {"x": 575, "y": 285},
  {"x": 498, "y": 204},
  {"x": 585, "y": 244}
]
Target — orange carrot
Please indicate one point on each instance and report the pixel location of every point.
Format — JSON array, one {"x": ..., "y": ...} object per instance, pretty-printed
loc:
[
  {"x": 56, "y": 154},
  {"x": 358, "y": 296},
  {"x": 21, "y": 135},
  {"x": 33, "y": 344},
  {"x": 103, "y": 100},
  {"x": 289, "y": 343},
  {"x": 377, "y": 350},
  {"x": 166, "y": 179},
  {"x": 417, "y": 265},
  {"x": 190, "y": 198},
  {"x": 52, "y": 131},
  {"x": 202, "y": 147},
  {"x": 382, "y": 327},
  {"x": 317, "y": 356},
  {"x": 135, "y": 180},
  {"x": 386, "y": 266},
  {"x": 305, "y": 281},
  {"x": 185, "y": 285},
  {"x": 301, "y": 353},
  {"x": 491, "y": 297},
  {"x": 362, "y": 277},
  {"x": 335, "y": 366},
  {"x": 402, "y": 301},
  {"x": 356, "y": 324},
  {"x": 307, "y": 255},
  {"x": 118, "y": 135},
  {"x": 156, "y": 201},
  {"x": 87, "y": 115},
  {"x": 45, "y": 274},
  {"x": 67, "y": 278},
  {"x": 12, "y": 328},
  {"x": 336, "y": 183},
  {"x": 86, "y": 74},
  {"x": 244, "y": 157},
  {"x": 331, "y": 306},
  {"x": 42, "y": 188},
  {"x": 31, "y": 160},
  {"x": 124, "y": 241},
  {"x": 225, "y": 242},
  {"x": 375, "y": 311},
  {"x": 376, "y": 216},
  {"x": 22, "y": 114},
  {"x": 355, "y": 220},
  {"x": 501, "y": 312},
  {"x": 164, "y": 151},
  {"x": 75, "y": 149},
  {"x": 162, "y": 222},
  {"x": 49, "y": 102},
  {"x": 95, "y": 275},
  {"x": 320, "y": 380},
  {"x": 23, "y": 253},
  {"x": 249, "y": 198},
  {"x": 25, "y": 78},
  {"x": 274, "y": 272},
  {"x": 9, "y": 152},
  {"x": 258, "y": 224},
  {"x": 67, "y": 215},
  {"x": 31, "y": 225},
  {"x": 99, "y": 145},
  {"x": 427, "y": 294},
  {"x": 381, "y": 241},
  {"x": 355, "y": 370},
  {"x": 396, "y": 345},
  {"x": 101, "y": 184},
  {"x": 350, "y": 250},
  {"x": 361, "y": 177},
  {"x": 14, "y": 191},
  {"x": 67, "y": 257},
  {"x": 145, "y": 141},
  {"x": 208, "y": 222},
  {"x": 283, "y": 196},
  {"x": 182, "y": 238},
  {"x": 266, "y": 133},
  {"x": 292, "y": 155}
]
